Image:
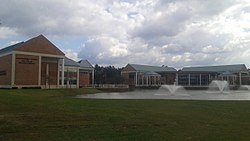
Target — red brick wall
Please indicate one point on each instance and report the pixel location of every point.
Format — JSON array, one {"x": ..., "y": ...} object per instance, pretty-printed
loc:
[
  {"x": 84, "y": 79},
  {"x": 40, "y": 44},
  {"x": 168, "y": 78},
  {"x": 53, "y": 73},
  {"x": 5, "y": 70},
  {"x": 128, "y": 78},
  {"x": 26, "y": 70},
  {"x": 128, "y": 68}
]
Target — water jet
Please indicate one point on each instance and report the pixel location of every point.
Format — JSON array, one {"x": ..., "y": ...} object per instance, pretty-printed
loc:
[{"x": 218, "y": 85}]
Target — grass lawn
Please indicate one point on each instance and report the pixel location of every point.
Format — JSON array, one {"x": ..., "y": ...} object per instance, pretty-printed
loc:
[{"x": 54, "y": 115}]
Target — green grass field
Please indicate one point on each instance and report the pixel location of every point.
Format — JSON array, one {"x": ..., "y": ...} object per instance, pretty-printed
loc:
[{"x": 54, "y": 115}]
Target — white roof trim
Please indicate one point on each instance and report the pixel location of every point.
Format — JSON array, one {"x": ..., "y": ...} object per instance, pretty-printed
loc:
[{"x": 39, "y": 54}]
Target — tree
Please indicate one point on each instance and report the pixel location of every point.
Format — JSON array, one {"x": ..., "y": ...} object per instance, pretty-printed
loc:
[{"x": 107, "y": 75}]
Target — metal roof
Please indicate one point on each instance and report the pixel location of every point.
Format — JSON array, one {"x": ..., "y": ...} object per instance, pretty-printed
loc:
[
  {"x": 85, "y": 64},
  {"x": 69, "y": 62},
  {"x": 151, "y": 68},
  {"x": 10, "y": 48},
  {"x": 222, "y": 68},
  {"x": 152, "y": 73},
  {"x": 227, "y": 73}
]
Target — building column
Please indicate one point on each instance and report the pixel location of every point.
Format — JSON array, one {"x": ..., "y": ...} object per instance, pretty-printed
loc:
[
  {"x": 209, "y": 78},
  {"x": 93, "y": 77},
  {"x": 189, "y": 79},
  {"x": 136, "y": 78},
  {"x": 176, "y": 79},
  {"x": 77, "y": 77},
  {"x": 154, "y": 80},
  {"x": 47, "y": 83},
  {"x": 13, "y": 69},
  {"x": 67, "y": 78},
  {"x": 58, "y": 73},
  {"x": 234, "y": 78},
  {"x": 240, "y": 78},
  {"x": 62, "y": 77},
  {"x": 147, "y": 80},
  {"x": 200, "y": 79},
  {"x": 39, "y": 70}
]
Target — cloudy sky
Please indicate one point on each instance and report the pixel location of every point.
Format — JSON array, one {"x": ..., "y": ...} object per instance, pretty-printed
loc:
[{"x": 173, "y": 33}]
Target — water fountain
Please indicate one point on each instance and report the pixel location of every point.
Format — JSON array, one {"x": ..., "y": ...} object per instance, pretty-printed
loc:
[
  {"x": 171, "y": 90},
  {"x": 245, "y": 87},
  {"x": 218, "y": 90},
  {"x": 219, "y": 85}
]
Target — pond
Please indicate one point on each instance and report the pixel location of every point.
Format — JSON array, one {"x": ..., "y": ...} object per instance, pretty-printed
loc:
[{"x": 181, "y": 95}]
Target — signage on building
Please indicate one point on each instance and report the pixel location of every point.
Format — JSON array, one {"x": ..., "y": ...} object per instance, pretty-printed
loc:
[
  {"x": 26, "y": 60},
  {"x": 3, "y": 72}
]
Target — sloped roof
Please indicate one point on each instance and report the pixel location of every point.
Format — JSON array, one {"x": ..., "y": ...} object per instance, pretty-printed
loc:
[
  {"x": 85, "y": 64},
  {"x": 152, "y": 73},
  {"x": 39, "y": 44},
  {"x": 10, "y": 48},
  {"x": 222, "y": 68},
  {"x": 227, "y": 73},
  {"x": 69, "y": 62},
  {"x": 151, "y": 68}
]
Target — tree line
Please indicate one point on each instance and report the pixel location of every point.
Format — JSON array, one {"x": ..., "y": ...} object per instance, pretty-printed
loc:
[{"x": 108, "y": 75}]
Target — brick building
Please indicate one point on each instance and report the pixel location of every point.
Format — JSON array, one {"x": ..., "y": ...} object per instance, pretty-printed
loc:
[
  {"x": 33, "y": 63},
  {"x": 202, "y": 76},
  {"x": 77, "y": 74},
  {"x": 86, "y": 73},
  {"x": 147, "y": 76}
]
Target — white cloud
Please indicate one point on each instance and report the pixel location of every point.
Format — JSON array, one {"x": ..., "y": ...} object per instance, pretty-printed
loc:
[
  {"x": 71, "y": 54},
  {"x": 210, "y": 49},
  {"x": 155, "y": 32},
  {"x": 6, "y": 32},
  {"x": 103, "y": 49}
]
